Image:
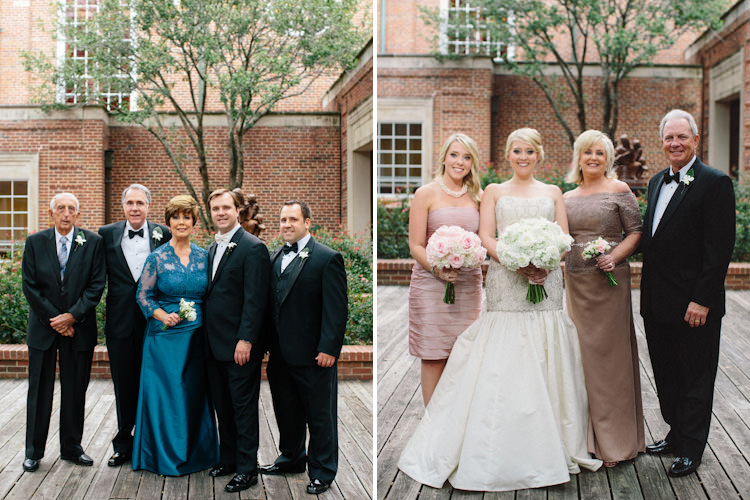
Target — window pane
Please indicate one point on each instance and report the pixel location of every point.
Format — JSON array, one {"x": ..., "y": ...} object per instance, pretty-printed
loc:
[
  {"x": 5, "y": 188},
  {"x": 5, "y": 204},
  {"x": 5, "y": 220},
  {"x": 6, "y": 234},
  {"x": 20, "y": 221},
  {"x": 21, "y": 188},
  {"x": 401, "y": 144},
  {"x": 415, "y": 144},
  {"x": 415, "y": 129},
  {"x": 20, "y": 204},
  {"x": 400, "y": 159},
  {"x": 386, "y": 129},
  {"x": 401, "y": 172},
  {"x": 386, "y": 158},
  {"x": 386, "y": 144},
  {"x": 415, "y": 159},
  {"x": 401, "y": 129}
]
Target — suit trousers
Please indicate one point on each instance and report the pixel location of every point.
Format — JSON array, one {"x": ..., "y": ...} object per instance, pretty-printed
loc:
[
  {"x": 125, "y": 365},
  {"x": 685, "y": 361},
  {"x": 306, "y": 395},
  {"x": 75, "y": 371},
  {"x": 235, "y": 390}
]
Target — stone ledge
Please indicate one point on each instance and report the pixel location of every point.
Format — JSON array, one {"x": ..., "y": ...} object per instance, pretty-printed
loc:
[
  {"x": 398, "y": 272},
  {"x": 355, "y": 362}
]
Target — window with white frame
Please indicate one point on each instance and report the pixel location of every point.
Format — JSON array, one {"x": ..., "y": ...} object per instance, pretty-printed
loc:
[
  {"x": 400, "y": 149},
  {"x": 75, "y": 14},
  {"x": 465, "y": 33},
  {"x": 14, "y": 212}
]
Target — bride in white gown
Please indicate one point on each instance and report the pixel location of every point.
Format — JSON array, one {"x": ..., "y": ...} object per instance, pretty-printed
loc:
[{"x": 510, "y": 410}]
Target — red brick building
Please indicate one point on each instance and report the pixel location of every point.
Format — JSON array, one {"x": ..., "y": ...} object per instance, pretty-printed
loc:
[
  {"x": 316, "y": 147},
  {"x": 427, "y": 100}
]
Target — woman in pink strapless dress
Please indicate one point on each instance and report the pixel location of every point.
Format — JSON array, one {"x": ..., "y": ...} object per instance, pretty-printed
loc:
[{"x": 452, "y": 199}]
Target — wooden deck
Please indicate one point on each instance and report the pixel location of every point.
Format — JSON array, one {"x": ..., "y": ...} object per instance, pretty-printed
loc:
[
  {"x": 724, "y": 473},
  {"x": 56, "y": 479}
]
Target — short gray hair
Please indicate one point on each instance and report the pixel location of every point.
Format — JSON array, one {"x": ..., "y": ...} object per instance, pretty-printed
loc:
[
  {"x": 139, "y": 187},
  {"x": 60, "y": 195},
  {"x": 678, "y": 113}
]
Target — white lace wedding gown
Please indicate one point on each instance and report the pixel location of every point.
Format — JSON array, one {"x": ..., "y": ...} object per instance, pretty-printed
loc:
[{"x": 510, "y": 410}]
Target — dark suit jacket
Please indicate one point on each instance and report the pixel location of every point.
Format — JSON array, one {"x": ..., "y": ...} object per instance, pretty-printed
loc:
[
  {"x": 311, "y": 309},
  {"x": 237, "y": 297},
  {"x": 78, "y": 293},
  {"x": 687, "y": 257},
  {"x": 123, "y": 314}
]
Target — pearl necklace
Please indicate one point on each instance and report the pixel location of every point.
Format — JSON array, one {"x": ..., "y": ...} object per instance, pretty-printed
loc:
[{"x": 450, "y": 192}]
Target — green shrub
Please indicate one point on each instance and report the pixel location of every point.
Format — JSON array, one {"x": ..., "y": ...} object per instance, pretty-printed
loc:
[
  {"x": 742, "y": 242},
  {"x": 393, "y": 229}
]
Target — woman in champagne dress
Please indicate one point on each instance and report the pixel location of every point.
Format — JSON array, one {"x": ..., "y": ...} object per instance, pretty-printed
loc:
[
  {"x": 510, "y": 410},
  {"x": 452, "y": 199},
  {"x": 602, "y": 206}
]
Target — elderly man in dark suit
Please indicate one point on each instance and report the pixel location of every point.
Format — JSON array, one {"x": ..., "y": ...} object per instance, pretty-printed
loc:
[
  {"x": 63, "y": 280},
  {"x": 687, "y": 242},
  {"x": 127, "y": 244},
  {"x": 309, "y": 311}
]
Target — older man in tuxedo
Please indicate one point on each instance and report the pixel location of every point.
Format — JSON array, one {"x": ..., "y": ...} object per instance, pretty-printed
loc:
[
  {"x": 687, "y": 242},
  {"x": 309, "y": 310},
  {"x": 127, "y": 243},
  {"x": 63, "y": 280}
]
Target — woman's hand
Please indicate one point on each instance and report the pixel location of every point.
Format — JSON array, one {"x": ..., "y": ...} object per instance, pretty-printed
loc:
[
  {"x": 534, "y": 274},
  {"x": 446, "y": 273},
  {"x": 606, "y": 262},
  {"x": 169, "y": 319}
]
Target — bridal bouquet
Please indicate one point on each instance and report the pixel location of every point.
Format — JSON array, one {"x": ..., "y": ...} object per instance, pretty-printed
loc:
[
  {"x": 596, "y": 248},
  {"x": 187, "y": 311},
  {"x": 452, "y": 246},
  {"x": 535, "y": 241}
]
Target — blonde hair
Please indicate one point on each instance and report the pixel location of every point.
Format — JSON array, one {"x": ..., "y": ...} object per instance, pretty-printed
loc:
[
  {"x": 530, "y": 136},
  {"x": 181, "y": 204},
  {"x": 584, "y": 141},
  {"x": 473, "y": 185}
]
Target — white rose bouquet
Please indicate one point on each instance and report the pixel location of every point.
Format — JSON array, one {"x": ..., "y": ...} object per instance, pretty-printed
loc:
[
  {"x": 534, "y": 241},
  {"x": 187, "y": 311},
  {"x": 453, "y": 246}
]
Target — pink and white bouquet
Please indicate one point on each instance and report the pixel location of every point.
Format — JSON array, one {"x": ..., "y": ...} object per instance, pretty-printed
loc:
[
  {"x": 533, "y": 241},
  {"x": 596, "y": 248},
  {"x": 454, "y": 247}
]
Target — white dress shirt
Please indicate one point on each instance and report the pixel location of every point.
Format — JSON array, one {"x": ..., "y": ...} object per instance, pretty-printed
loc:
[
  {"x": 136, "y": 249},
  {"x": 287, "y": 258},
  {"x": 221, "y": 247},
  {"x": 666, "y": 193}
]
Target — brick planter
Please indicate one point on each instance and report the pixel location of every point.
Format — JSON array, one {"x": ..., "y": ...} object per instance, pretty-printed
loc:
[{"x": 355, "y": 362}]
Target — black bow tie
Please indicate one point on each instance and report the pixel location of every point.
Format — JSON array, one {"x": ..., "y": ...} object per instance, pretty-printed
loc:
[
  {"x": 668, "y": 177},
  {"x": 289, "y": 248},
  {"x": 132, "y": 233}
]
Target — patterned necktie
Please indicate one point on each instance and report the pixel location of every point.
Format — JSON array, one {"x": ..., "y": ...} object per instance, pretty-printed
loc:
[{"x": 62, "y": 257}]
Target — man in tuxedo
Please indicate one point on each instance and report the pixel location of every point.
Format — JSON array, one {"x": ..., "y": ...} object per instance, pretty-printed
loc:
[
  {"x": 309, "y": 310},
  {"x": 234, "y": 308},
  {"x": 687, "y": 242},
  {"x": 63, "y": 280},
  {"x": 127, "y": 244}
]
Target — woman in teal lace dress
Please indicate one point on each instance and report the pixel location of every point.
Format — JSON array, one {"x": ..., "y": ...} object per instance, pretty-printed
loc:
[{"x": 175, "y": 430}]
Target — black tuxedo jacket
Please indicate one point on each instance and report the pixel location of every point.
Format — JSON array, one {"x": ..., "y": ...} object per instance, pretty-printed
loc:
[
  {"x": 310, "y": 305},
  {"x": 236, "y": 299},
  {"x": 687, "y": 257},
  {"x": 124, "y": 317},
  {"x": 48, "y": 295}
]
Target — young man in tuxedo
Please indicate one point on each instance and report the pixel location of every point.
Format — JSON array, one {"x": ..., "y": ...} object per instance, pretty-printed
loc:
[
  {"x": 687, "y": 242},
  {"x": 234, "y": 308},
  {"x": 63, "y": 280},
  {"x": 309, "y": 311},
  {"x": 127, "y": 244}
]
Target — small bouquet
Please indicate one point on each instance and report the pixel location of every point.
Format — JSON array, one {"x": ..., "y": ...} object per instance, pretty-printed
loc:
[
  {"x": 187, "y": 311},
  {"x": 596, "y": 248},
  {"x": 535, "y": 241},
  {"x": 452, "y": 246}
]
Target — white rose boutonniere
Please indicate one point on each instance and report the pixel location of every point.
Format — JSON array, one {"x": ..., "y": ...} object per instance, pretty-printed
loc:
[
  {"x": 230, "y": 246},
  {"x": 304, "y": 253},
  {"x": 157, "y": 234},
  {"x": 80, "y": 239},
  {"x": 687, "y": 179}
]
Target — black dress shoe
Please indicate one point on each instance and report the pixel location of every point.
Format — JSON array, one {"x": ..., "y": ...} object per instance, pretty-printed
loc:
[
  {"x": 278, "y": 468},
  {"x": 682, "y": 466},
  {"x": 316, "y": 486},
  {"x": 241, "y": 481},
  {"x": 118, "y": 459},
  {"x": 221, "y": 470},
  {"x": 30, "y": 465},
  {"x": 81, "y": 459},
  {"x": 660, "y": 447}
]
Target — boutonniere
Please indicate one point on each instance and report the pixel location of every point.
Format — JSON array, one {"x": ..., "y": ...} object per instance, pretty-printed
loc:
[
  {"x": 687, "y": 179},
  {"x": 230, "y": 247},
  {"x": 80, "y": 239},
  {"x": 157, "y": 234},
  {"x": 304, "y": 253}
]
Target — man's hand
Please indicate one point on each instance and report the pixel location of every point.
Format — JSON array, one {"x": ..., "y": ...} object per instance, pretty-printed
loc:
[
  {"x": 242, "y": 352},
  {"x": 325, "y": 360},
  {"x": 69, "y": 332},
  {"x": 62, "y": 323},
  {"x": 695, "y": 315}
]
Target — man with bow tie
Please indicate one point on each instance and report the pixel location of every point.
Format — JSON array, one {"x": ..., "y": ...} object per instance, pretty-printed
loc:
[
  {"x": 309, "y": 311},
  {"x": 63, "y": 280},
  {"x": 687, "y": 242},
  {"x": 234, "y": 308},
  {"x": 127, "y": 243}
]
